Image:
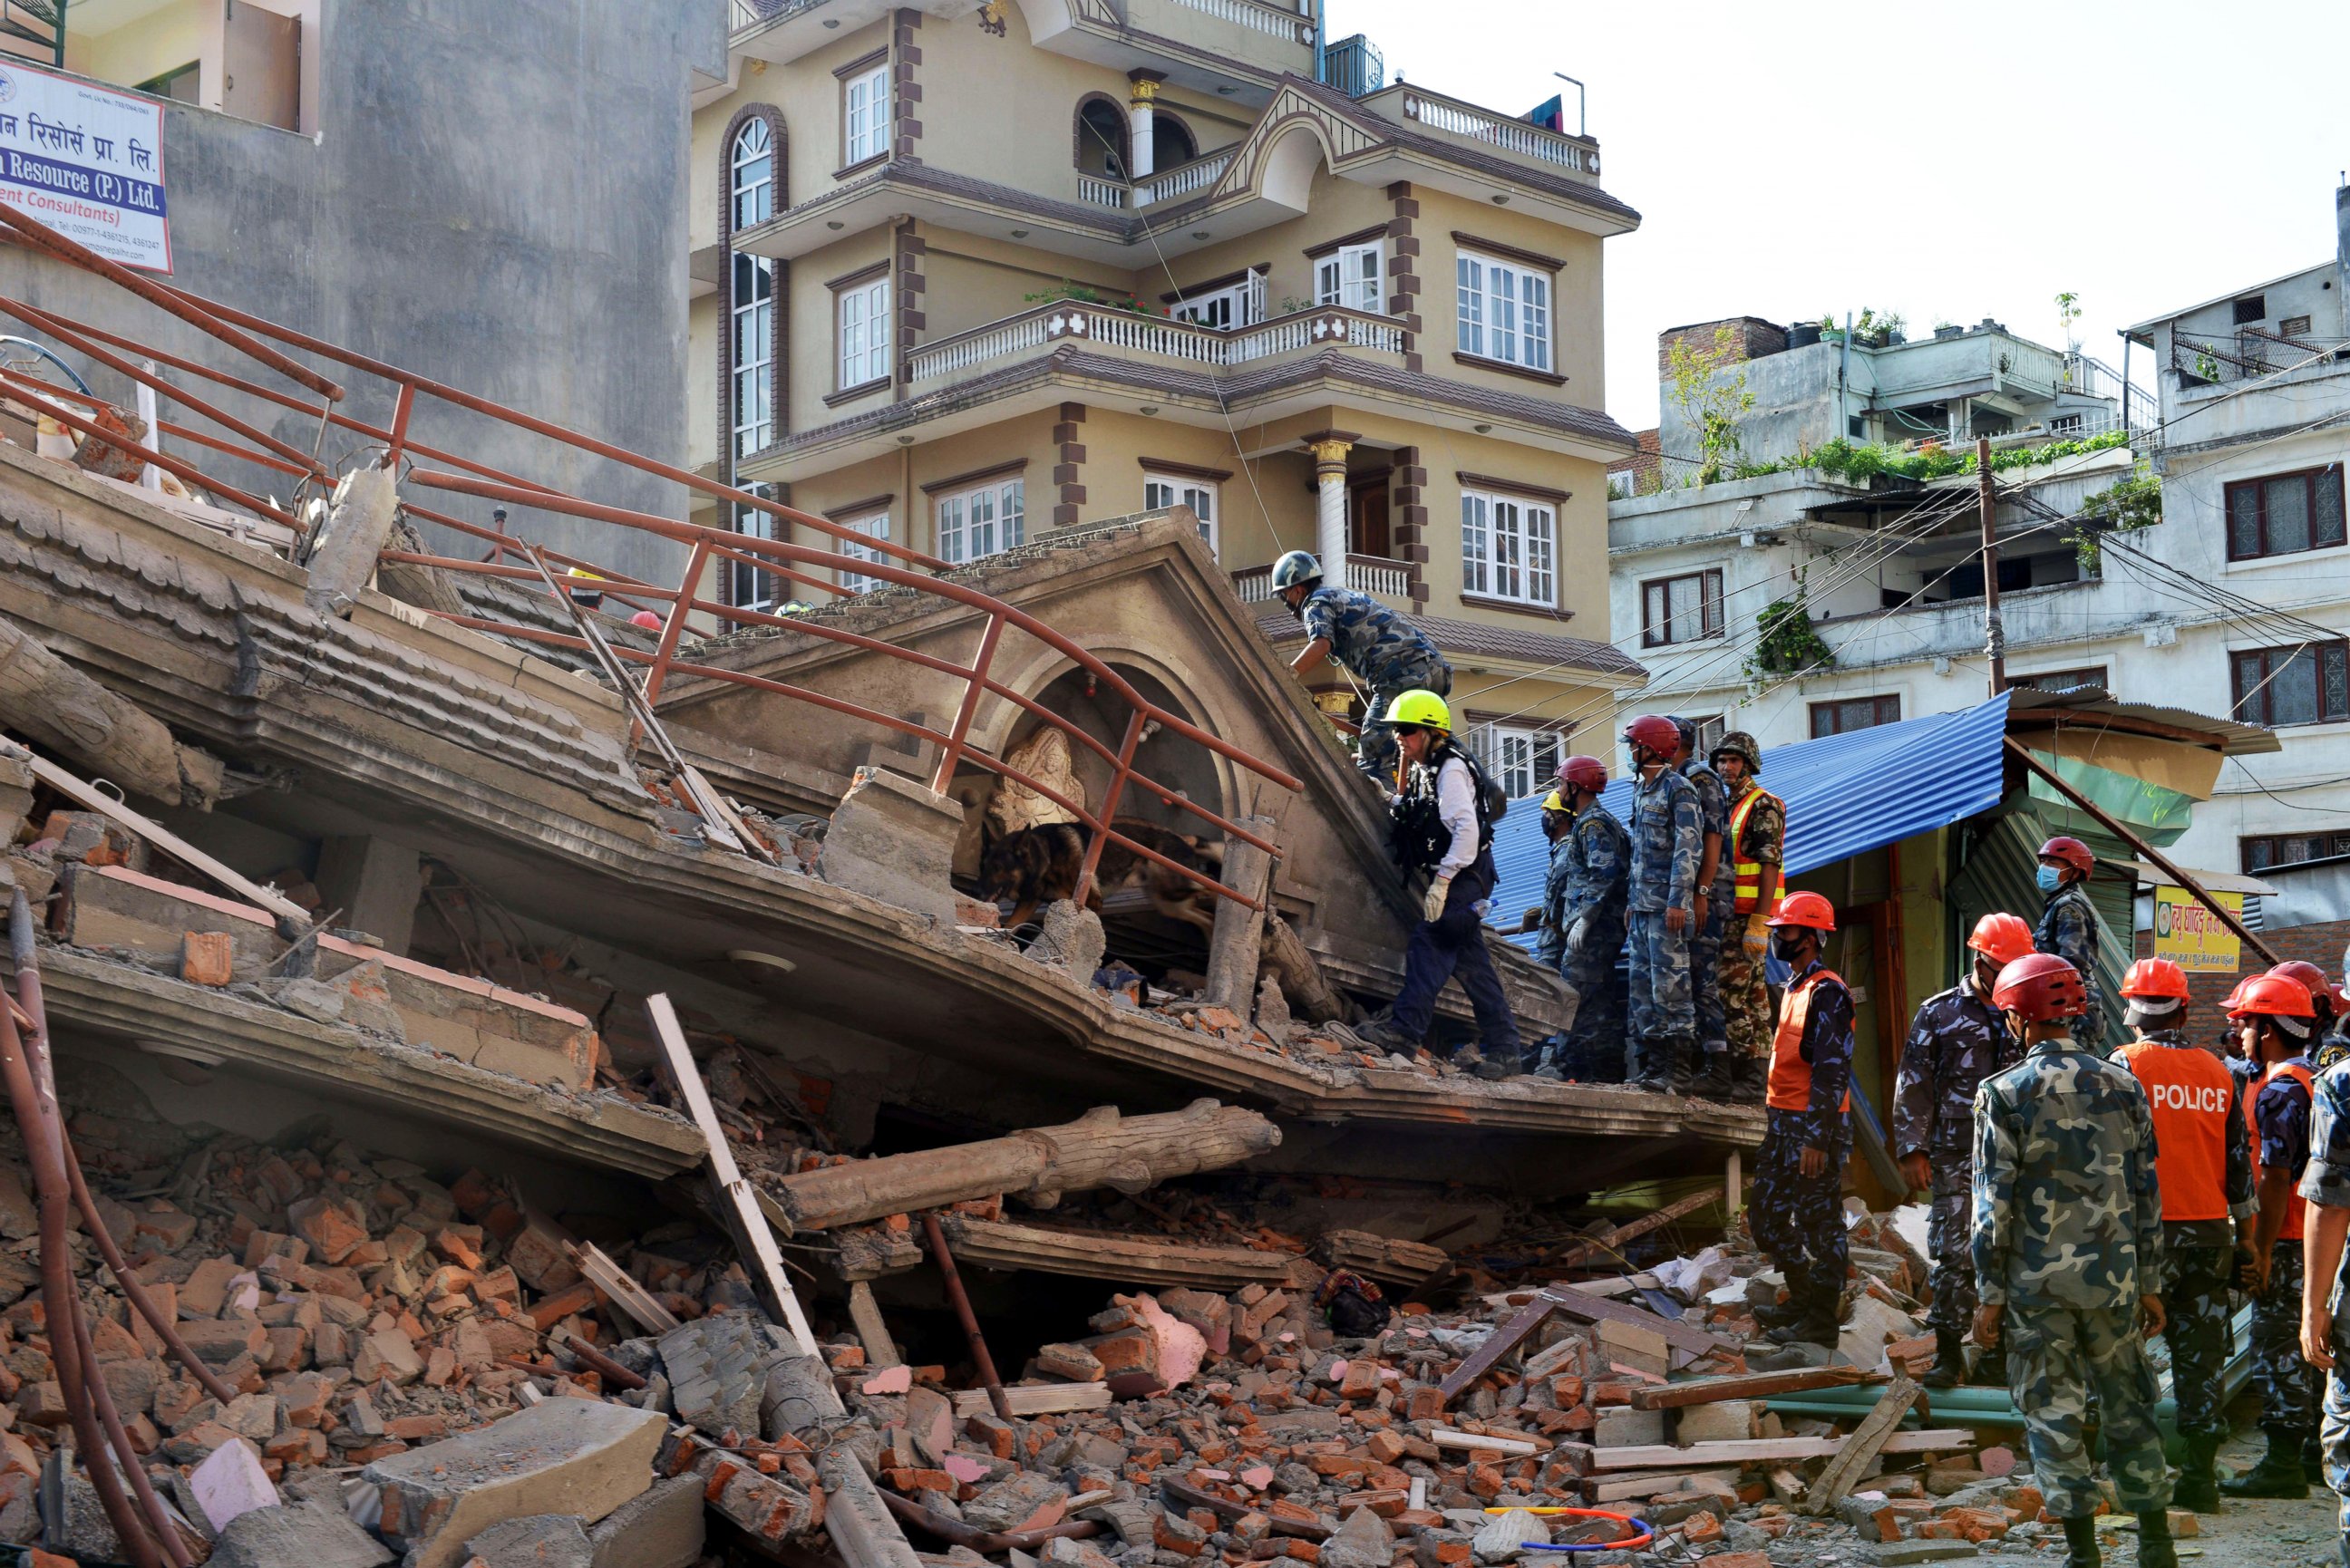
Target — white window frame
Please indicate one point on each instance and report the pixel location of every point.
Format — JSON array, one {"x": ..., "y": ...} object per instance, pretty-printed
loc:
[
  {"x": 1352, "y": 277},
  {"x": 874, "y": 525},
  {"x": 1202, "y": 495},
  {"x": 753, "y": 587},
  {"x": 751, "y": 177},
  {"x": 1509, "y": 549},
  {"x": 1660, "y": 624},
  {"x": 1522, "y": 760},
  {"x": 865, "y": 115},
  {"x": 982, "y": 521},
  {"x": 861, "y": 333},
  {"x": 1505, "y": 310},
  {"x": 1223, "y": 308}
]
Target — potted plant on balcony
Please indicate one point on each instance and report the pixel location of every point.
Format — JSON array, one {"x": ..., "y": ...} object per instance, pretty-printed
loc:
[{"x": 1085, "y": 294}]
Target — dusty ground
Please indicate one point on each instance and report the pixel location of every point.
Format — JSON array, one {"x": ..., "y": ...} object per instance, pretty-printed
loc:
[{"x": 2262, "y": 1534}]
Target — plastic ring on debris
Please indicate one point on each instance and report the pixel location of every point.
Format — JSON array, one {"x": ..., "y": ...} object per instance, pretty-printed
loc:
[{"x": 1643, "y": 1537}]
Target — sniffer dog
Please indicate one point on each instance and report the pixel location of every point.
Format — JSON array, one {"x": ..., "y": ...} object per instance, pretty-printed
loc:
[{"x": 1036, "y": 865}]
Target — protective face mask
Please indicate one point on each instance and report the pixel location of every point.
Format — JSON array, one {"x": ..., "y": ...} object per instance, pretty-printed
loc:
[
  {"x": 1788, "y": 948},
  {"x": 2049, "y": 878}
]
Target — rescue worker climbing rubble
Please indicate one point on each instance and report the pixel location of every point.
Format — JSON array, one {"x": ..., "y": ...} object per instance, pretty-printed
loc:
[
  {"x": 1371, "y": 642},
  {"x": 1796, "y": 1210},
  {"x": 1666, "y": 833},
  {"x": 2068, "y": 1258},
  {"x": 1590, "y": 911},
  {"x": 2068, "y": 922},
  {"x": 1957, "y": 1039},
  {"x": 1753, "y": 843}
]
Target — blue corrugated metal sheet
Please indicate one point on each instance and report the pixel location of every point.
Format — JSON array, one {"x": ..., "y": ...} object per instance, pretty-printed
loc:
[{"x": 1845, "y": 794}]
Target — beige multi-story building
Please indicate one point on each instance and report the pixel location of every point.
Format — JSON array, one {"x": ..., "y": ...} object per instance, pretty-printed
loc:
[{"x": 968, "y": 274}]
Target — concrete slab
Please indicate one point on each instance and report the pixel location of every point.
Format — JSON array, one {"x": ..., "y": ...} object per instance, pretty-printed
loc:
[
  {"x": 535, "y": 1540},
  {"x": 308, "y": 1533},
  {"x": 662, "y": 1528},
  {"x": 577, "y": 1457}
]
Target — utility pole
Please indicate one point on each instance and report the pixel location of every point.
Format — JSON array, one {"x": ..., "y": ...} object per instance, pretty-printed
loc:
[{"x": 1994, "y": 636}]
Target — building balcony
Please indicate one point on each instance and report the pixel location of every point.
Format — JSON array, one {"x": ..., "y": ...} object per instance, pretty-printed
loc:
[
  {"x": 1183, "y": 179},
  {"x": 1125, "y": 334},
  {"x": 1373, "y": 574},
  {"x": 1519, "y": 140}
]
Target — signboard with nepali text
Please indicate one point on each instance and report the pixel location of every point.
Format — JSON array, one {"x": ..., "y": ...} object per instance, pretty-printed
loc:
[
  {"x": 2191, "y": 936},
  {"x": 86, "y": 160}
]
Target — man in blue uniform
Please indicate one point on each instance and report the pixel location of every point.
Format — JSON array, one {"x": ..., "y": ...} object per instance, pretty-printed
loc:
[
  {"x": 1797, "y": 1210},
  {"x": 2068, "y": 924},
  {"x": 1666, "y": 829},
  {"x": 1371, "y": 642},
  {"x": 1583, "y": 935},
  {"x": 1714, "y": 1078},
  {"x": 2324, "y": 1305}
]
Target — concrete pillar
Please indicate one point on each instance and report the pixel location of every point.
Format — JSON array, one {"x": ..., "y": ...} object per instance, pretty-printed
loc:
[
  {"x": 1143, "y": 94},
  {"x": 376, "y": 884},
  {"x": 342, "y": 554},
  {"x": 1329, "y": 449},
  {"x": 1237, "y": 938}
]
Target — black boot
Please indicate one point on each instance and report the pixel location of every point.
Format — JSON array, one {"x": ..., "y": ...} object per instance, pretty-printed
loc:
[
  {"x": 1818, "y": 1324},
  {"x": 2198, "y": 1490},
  {"x": 1651, "y": 1065},
  {"x": 1949, "y": 1367},
  {"x": 1500, "y": 1062},
  {"x": 1990, "y": 1368},
  {"x": 2081, "y": 1543},
  {"x": 1714, "y": 1081},
  {"x": 1747, "y": 1078},
  {"x": 2279, "y": 1473},
  {"x": 1384, "y": 1032},
  {"x": 1680, "y": 1062},
  {"x": 2312, "y": 1459},
  {"x": 1780, "y": 1314},
  {"x": 2154, "y": 1547}
]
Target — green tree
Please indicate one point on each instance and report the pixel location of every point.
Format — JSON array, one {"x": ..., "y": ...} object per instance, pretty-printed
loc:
[{"x": 1711, "y": 396}]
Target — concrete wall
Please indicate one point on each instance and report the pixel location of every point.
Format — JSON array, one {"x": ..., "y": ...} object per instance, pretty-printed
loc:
[{"x": 484, "y": 203}]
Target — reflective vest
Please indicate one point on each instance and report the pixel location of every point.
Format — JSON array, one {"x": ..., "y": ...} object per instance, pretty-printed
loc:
[
  {"x": 1749, "y": 873},
  {"x": 2187, "y": 1089},
  {"x": 1791, "y": 1075},
  {"x": 2296, "y": 1207}
]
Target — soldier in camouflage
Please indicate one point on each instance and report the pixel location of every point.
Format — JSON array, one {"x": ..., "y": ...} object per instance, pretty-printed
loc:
[
  {"x": 2068, "y": 1258},
  {"x": 1758, "y": 827},
  {"x": 1797, "y": 1210},
  {"x": 2204, "y": 1164},
  {"x": 1380, "y": 648},
  {"x": 1661, "y": 898},
  {"x": 2324, "y": 1304},
  {"x": 1713, "y": 1080},
  {"x": 1588, "y": 911},
  {"x": 2068, "y": 923},
  {"x": 2278, "y": 1018},
  {"x": 1955, "y": 1040}
]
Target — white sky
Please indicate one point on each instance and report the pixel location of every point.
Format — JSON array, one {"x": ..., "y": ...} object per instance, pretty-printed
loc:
[{"x": 1790, "y": 160}]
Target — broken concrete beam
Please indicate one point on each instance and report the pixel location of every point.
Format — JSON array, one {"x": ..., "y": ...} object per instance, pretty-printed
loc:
[
  {"x": 661, "y": 1527},
  {"x": 579, "y": 1457},
  {"x": 55, "y": 705},
  {"x": 717, "y": 1370},
  {"x": 894, "y": 840},
  {"x": 342, "y": 554},
  {"x": 1100, "y": 1149}
]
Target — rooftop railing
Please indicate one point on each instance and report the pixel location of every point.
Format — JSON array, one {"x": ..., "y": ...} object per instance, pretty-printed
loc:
[{"x": 1073, "y": 321}]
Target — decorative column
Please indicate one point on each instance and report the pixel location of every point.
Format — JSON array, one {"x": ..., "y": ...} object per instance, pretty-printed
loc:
[
  {"x": 1329, "y": 449},
  {"x": 1142, "y": 95}
]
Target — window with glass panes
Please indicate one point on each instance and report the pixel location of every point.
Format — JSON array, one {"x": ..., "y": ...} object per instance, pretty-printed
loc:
[
  {"x": 1225, "y": 306},
  {"x": 2285, "y": 514},
  {"x": 1523, "y": 762},
  {"x": 750, "y": 587},
  {"x": 875, "y": 527},
  {"x": 1686, "y": 608},
  {"x": 1200, "y": 494},
  {"x": 1509, "y": 549},
  {"x": 2307, "y": 684},
  {"x": 865, "y": 115},
  {"x": 752, "y": 172},
  {"x": 1505, "y": 311},
  {"x": 1349, "y": 276},
  {"x": 2262, "y": 851},
  {"x": 864, "y": 333},
  {"x": 977, "y": 522},
  {"x": 1845, "y": 716}
]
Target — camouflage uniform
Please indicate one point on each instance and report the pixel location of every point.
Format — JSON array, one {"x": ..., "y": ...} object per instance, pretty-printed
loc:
[
  {"x": 1592, "y": 895},
  {"x": 1955, "y": 1040},
  {"x": 1384, "y": 651},
  {"x": 1665, "y": 836},
  {"x": 2068, "y": 1236},
  {"x": 2068, "y": 927},
  {"x": 1705, "y": 941},
  {"x": 1799, "y": 1220},
  {"x": 2325, "y": 1181},
  {"x": 1745, "y": 995},
  {"x": 2287, "y": 1384}
]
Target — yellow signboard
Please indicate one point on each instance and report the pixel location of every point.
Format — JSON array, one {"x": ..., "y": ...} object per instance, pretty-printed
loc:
[{"x": 2191, "y": 936}]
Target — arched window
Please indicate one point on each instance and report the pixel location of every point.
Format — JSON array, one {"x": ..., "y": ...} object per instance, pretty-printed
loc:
[
  {"x": 1172, "y": 141},
  {"x": 752, "y": 300},
  {"x": 1101, "y": 138}
]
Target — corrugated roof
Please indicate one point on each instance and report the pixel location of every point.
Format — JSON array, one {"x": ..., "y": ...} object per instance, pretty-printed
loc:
[
  {"x": 2230, "y": 736},
  {"x": 1845, "y": 794}
]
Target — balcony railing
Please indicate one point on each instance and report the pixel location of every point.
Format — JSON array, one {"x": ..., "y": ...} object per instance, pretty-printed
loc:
[
  {"x": 1534, "y": 141},
  {"x": 1197, "y": 175},
  {"x": 1276, "y": 21},
  {"x": 1102, "y": 193},
  {"x": 1070, "y": 321},
  {"x": 1365, "y": 574},
  {"x": 2249, "y": 354}
]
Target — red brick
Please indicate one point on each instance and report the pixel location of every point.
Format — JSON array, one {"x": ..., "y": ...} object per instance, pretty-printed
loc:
[{"x": 207, "y": 957}]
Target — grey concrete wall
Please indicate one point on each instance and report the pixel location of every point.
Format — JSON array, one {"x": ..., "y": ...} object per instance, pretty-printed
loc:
[{"x": 497, "y": 200}]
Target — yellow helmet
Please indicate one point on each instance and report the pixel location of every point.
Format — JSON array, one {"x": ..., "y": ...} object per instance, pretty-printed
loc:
[
  {"x": 1421, "y": 707},
  {"x": 1553, "y": 802}
]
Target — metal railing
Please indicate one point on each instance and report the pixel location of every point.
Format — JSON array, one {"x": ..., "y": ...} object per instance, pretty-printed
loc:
[
  {"x": 512, "y": 558},
  {"x": 34, "y": 31},
  {"x": 1076, "y": 321},
  {"x": 2249, "y": 354},
  {"x": 1528, "y": 141}
]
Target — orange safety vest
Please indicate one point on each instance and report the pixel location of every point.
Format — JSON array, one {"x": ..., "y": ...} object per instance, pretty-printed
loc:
[
  {"x": 1749, "y": 873},
  {"x": 1791, "y": 1075},
  {"x": 2296, "y": 1207},
  {"x": 2186, "y": 1089}
]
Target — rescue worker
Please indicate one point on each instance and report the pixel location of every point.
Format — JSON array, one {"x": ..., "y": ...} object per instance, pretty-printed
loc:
[
  {"x": 2068, "y": 1258},
  {"x": 1550, "y": 940},
  {"x": 1796, "y": 1210},
  {"x": 1590, "y": 912},
  {"x": 1449, "y": 938},
  {"x": 1758, "y": 830},
  {"x": 2325, "y": 1046},
  {"x": 2068, "y": 923},
  {"x": 2204, "y": 1165},
  {"x": 2325, "y": 1186},
  {"x": 2276, "y": 1017},
  {"x": 1665, "y": 833},
  {"x": 1710, "y": 919},
  {"x": 1371, "y": 642},
  {"x": 1957, "y": 1039}
]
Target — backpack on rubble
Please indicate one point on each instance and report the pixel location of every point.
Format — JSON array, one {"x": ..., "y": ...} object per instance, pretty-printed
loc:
[{"x": 1355, "y": 1308}]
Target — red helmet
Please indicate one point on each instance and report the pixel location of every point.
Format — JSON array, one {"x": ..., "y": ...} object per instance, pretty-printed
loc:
[
  {"x": 1809, "y": 910},
  {"x": 1584, "y": 773},
  {"x": 2272, "y": 996},
  {"x": 2042, "y": 987},
  {"x": 2071, "y": 852},
  {"x": 647, "y": 619},
  {"x": 2236, "y": 995},
  {"x": 2000, "y": 937},
  {"x": 2156, "y": 978},
  {"x": 1656, "y": 732},
  {"x": 2321, "y": 989}
]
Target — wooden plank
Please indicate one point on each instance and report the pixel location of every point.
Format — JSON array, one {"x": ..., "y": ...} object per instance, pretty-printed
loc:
[
  {"x": 1772, "y": 1450},
  {"x": 1036, "y": 1398},
  {"x": 1517, "y": 1448},
  {"x": 1583, "y": 1252},
  {"x": 622, "y": 1288},
  {"x": 1127, "y": 1259},
  {"x": 872, "y": 1332},
  {"x": 1499, "y": 1344},
  {"x": 1860, "y": 1450},
  {"x": 1745, "y": 1386},
  {"x": 1592, "y": 1309},
  {"x": 750, "y": 1224},
  {"x": 1648, "y": 1483},
  {"x": 158, "y": 837}
]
